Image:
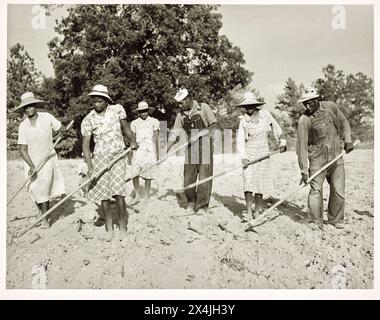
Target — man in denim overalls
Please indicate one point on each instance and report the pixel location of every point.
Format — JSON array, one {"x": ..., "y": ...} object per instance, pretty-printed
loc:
[
  {"x": 191, "y": 122},
  {"x": 319, "y": 134}
]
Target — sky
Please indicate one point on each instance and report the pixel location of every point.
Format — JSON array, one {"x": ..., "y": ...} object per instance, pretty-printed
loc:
[{"x": 278, "y": 42}]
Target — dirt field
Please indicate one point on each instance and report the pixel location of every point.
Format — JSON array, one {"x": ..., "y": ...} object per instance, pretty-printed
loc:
[{"x": 168, "y": 248}]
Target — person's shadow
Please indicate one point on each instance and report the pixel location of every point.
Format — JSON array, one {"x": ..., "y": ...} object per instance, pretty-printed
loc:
[
  {"x": 180, "y": 196},
  {"x": 115, "y": 215},
  {"x": 293, "y": 211},
  {"x": 232, "y": 204},
  {"x": 65, "y": 209}
]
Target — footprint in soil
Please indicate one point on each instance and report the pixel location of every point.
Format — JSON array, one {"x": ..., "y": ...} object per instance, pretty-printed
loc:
[{"x": 363, "y": 213}]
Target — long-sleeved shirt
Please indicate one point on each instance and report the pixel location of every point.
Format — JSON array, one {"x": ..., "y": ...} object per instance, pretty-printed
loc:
[{"x": 318, "y": 135}]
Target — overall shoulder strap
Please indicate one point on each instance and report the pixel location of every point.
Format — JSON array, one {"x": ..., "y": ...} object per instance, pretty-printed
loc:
[{"x": 333, "y": 116}]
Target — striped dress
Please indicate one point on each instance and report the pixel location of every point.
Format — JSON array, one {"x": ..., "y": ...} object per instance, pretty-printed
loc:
[{"x": 252, "y": 143}]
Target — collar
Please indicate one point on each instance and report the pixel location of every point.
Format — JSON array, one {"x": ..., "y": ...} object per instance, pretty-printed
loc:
[
  {"x": 194, "y": 110},
  {"x": 27, "y": 118},
  {"x": 94, "y": 113},
  {"x": 248, "y": 118},
  {"x": 317, "y": 112}
]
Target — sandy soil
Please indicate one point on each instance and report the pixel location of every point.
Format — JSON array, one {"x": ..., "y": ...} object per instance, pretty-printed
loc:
[{"x": 168, "y": 248}]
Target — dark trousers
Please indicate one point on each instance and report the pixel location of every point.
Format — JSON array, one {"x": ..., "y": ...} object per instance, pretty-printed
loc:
[
  {"x": 194, "y": 170},
  {"x": 335, "y": 176}
]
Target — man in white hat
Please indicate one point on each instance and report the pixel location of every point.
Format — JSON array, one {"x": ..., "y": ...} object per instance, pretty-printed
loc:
[
  {"x": 192, "y": 120},
  {"x": 35, "y": 139},
  {"x": 319, "y": 134},
  {"x": 107, "y": 123}
]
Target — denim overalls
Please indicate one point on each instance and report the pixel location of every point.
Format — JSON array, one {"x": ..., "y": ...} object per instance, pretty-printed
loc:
[
  {"x": 198, "y": 163},
  {"x": 325, "y": 145}
]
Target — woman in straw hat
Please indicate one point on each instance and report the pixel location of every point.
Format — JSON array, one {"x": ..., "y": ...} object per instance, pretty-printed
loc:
[
  {"x": 146, "y": 131},
  {"x": 107, "y": 123},
  {"x": 35, "y": 139},
  {"x": 252, "y": 142}
]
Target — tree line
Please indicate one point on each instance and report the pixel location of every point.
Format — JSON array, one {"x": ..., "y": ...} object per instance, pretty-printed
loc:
[{"x": 148, "y": 52}]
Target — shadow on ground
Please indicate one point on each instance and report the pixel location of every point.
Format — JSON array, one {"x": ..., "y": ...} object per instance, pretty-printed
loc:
[
  {"x": 65, "y": 209},
  {"x": 180, "y": 196},
  {"x": 236, "y": 205}
]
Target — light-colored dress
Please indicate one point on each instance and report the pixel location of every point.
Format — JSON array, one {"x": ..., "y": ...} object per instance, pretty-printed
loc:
[
  {"x": 145, "y": 155},
  {"x": 252, "y": 142},
  {"x": 49, "y": 182}
]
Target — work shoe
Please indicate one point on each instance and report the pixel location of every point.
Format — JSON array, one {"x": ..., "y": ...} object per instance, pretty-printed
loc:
[
  {"x": 337, "y": 225},
  {"x": 201, "y": 211},
  {"x": 99, "y": 222}
]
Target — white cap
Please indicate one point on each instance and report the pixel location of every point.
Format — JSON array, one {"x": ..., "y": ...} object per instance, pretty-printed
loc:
[{"x": 181, "y": 94}]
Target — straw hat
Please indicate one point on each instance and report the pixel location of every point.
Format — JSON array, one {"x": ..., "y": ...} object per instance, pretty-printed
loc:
[
  {"x": 143, "y": 106},
  {"x": 181, "y": 94},
  {"x": 249, "y": 99},
  {"x": 308, "y": 94},
  {"x": 26, "y": 99},
  {"x": 100, "y": 91}
]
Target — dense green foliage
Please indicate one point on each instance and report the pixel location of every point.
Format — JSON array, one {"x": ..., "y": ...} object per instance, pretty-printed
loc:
[{"x": 148, "y": 52}]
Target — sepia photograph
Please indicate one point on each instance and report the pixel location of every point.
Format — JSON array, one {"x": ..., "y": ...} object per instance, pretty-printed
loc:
[{"x": 189, "y": 146}]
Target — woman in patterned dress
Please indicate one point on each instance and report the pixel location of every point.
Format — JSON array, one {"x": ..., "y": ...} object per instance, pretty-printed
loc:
[
  {"x": 108, "y": 125},
  {"x": 252, "y": 142}
]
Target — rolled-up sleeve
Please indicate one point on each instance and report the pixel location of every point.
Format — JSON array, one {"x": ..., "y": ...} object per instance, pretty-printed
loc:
[
  {"x": 208, "y": 114},
  {"x": 302, "y": 143}
]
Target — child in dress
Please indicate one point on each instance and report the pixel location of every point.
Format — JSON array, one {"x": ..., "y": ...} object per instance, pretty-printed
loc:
[{"x": 146, "y": 131}]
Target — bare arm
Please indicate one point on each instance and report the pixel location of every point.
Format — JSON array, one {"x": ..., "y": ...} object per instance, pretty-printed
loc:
[
  {"x": 157, "y": 141},
  {"x": 128, "y": 133},
  {"x": 62, "y": 128},
  {"x": 174, "y": 134},
  {"x": 25, "y": 155},
  {"x": 171, "y": 141},
  {"x": 87, "y": 153}
]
